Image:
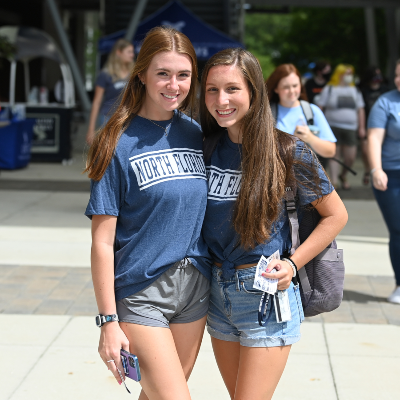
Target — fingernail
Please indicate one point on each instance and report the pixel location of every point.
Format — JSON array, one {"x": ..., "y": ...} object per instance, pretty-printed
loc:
[{"x": 120, "y": 382}]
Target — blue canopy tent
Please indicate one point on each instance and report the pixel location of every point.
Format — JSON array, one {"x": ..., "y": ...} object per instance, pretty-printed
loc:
[{"x": 206, "y": 39}]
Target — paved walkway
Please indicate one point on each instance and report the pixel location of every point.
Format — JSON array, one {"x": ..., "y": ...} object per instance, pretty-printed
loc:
[{"x": 47, "y": 332}]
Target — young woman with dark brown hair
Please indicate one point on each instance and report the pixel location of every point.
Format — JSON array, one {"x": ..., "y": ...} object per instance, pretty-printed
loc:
[
  {"x": 148, "y": 197},
  {"x": 249, "y": 165}
]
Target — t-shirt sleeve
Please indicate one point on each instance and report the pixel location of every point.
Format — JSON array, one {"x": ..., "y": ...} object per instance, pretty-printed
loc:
[
  {"x": 102, "y": 79},
  {"x": 325, "y": 131},
  {"x": 378, "y": 115},
  {"x": 306, "y": 189},
  {"x": 107, "y": 194},
  {"x": 323, "y": 97},
  {"x": 359, "y": 100}
]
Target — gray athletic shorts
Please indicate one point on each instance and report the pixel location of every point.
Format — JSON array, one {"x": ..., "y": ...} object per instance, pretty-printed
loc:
[{"x": 180, "y": 295}]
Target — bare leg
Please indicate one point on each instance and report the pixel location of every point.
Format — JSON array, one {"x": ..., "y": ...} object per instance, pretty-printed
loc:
[
  {"x": 166, "y": 357},
  {"x": 349, "y": 155},
  {"x": 364, "y": 155},
  {"x": 250, "y": 372},
  {"x": 227, "y": 355},
  {"x": 334, "y": 166}
]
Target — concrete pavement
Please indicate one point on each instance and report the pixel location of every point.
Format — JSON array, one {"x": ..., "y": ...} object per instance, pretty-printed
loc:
[{"x": 49, "y": 341}]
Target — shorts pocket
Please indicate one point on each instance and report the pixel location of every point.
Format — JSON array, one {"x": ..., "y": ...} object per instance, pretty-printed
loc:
[
  {"x": 296, "y": 289},
  {"x": 247, "y": 287}
]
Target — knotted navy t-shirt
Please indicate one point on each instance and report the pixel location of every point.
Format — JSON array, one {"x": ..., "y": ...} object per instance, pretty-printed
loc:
[
  {"x": 224, "y": 177},
  {"x": 157, "y": 187}
]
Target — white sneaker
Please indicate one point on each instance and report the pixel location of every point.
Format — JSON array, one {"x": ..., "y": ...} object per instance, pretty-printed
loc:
[{"x": 395, "y": 296}]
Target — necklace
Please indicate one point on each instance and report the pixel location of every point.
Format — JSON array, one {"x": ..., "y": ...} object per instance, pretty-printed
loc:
[{"x": 164, "y": 129}]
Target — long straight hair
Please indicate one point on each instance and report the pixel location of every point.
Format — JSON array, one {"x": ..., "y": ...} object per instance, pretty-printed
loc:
[
  {"x": 159, "y": 39},
  {"x": 113, "y": 64},
  {"x": 267, "y": 153}
]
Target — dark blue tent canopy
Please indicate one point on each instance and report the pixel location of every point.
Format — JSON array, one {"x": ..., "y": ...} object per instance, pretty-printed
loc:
[{"x": 206, "y": 40}]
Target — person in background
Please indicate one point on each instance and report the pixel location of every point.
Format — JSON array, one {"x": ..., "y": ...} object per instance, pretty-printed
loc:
[
  {"x": 285, "y": 89},
  {"x": 343, "y": 105},
  {"x": 322, "y": 73},
  {"x": 110, "y": 83},
  {"x": 384, "y": 158},
  {"x": 372, "y": 85}
]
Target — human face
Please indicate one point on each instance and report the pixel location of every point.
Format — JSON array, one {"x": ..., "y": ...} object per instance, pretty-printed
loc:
[
  {"x": 288, "y": 90},
  {"x": 126, "y": 55},
  {"x": 347, "y": 78},
  {"x": 227, "y": 98},
  {"x": 397, "y": 77},
  {"x": 167, "y": 81}
]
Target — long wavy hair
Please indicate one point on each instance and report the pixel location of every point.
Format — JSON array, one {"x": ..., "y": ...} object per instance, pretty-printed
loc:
[
  {"x": 338, "y": 73},
  {"x": 114, "y": 64},
  {"x": 157, "y": 40},
  {"x": 267, "y": 153},
  {"x": 280, "y": 72}
]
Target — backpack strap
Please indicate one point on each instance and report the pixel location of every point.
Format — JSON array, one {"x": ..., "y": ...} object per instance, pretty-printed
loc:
[
  {"x": 274, "y": 110},
  {"x": 294, "y": 233},
  {"x": 307, "y": 111}
]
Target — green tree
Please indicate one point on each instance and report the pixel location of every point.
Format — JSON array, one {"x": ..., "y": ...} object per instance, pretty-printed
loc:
[
  {"x": 310, "y": 34},
  {"x": 6, "y": 48}
]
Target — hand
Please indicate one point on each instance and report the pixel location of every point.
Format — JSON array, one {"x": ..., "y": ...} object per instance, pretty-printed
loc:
[
  {"x": 380, "y": 180},
  {"x": 362, "y": 134},
  {"x": 112, "y": 340},
  {"x": 304, "y": 133},
  {"x": 284, "y": 273}
]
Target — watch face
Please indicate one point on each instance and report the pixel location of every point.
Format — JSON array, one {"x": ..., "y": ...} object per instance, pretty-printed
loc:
[{"x": 98, "y": 321}]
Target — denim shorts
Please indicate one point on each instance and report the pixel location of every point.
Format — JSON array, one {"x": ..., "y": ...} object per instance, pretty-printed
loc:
[{"x": 233, "y": 312}]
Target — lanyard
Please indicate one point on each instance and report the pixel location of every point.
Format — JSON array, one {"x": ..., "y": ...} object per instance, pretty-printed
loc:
[{"x": 262, "y": 309}]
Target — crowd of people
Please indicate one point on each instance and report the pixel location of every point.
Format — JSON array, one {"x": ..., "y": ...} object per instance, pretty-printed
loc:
[{"x": 178, "y": 232}]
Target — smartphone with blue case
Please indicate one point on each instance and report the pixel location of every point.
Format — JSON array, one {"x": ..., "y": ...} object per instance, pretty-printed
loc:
[{"x": 131, "y": 365}]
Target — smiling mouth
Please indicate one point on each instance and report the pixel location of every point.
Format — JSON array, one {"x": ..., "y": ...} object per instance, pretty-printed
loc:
[
  {"x": 226, "y": 112},
  {"x": 170, "y": 96}
]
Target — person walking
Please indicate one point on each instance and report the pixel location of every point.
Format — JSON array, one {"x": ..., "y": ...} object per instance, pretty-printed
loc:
[
  {"x": 109, "y": 84},
  {"x": 249, "y": 165},
  {"x": 384, "y": 158},
  {"x": 285, "y": 92},
  {"x": 322, "y": 73},
  {"x": 372, "y": 86},
  {"x": 343, "y": 106},
  {"x": 150, "y": 265}
]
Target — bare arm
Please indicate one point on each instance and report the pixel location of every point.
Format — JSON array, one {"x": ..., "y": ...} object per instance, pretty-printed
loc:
[
  {"x": 374, "y": 149},
  {"x": 97, "y": 99},
  {"x": 322, "y": 147},
  {"x": 333, "y": 219},
  {"x": 361, "y": 123},
  {"x": 112, "y": 338}
]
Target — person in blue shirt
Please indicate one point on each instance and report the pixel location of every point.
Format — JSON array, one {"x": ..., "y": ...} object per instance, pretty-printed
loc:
[
  {"x": 285, "y": 89},
  {"x": 150, "y": 265},
  {"x": 384, "y": 158},
  {"x": 249, "y": 164}
]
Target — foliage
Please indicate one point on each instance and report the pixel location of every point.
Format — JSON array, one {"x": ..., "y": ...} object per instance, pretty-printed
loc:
[
  {"x": 311, "y": 34},
  {"x": 6, "y": 48}
]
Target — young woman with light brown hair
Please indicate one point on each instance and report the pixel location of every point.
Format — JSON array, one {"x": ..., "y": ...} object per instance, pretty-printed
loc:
[
  {"x": 249, "y": 165},
  {"x": 110, "y": 83},
  {"x": 150, "y": 265}
]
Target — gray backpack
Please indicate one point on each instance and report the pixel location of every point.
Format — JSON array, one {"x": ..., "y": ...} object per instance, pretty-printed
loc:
[{"x": 322, "y": 279}]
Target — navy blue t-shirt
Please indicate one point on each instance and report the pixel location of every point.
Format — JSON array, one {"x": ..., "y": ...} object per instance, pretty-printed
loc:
[
  {"x": 157, "y": 187},
  {"x": 112, "y": 89},
  {"x": 224, "y": 177}
]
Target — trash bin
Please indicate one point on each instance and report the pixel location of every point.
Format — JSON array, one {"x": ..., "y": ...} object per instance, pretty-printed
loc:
[{"x": 15, "y": 144}]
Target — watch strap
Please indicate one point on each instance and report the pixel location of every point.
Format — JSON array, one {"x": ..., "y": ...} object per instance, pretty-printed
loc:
[{"x": 102, "y": 319}]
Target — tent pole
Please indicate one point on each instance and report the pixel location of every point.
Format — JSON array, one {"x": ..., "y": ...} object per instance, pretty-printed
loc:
[
  {"x": 27, "y": 80},
  {"x": 70, "y": 56},
  {"x": 369, "y": 16},
  {"x": 13, "y": 73},
  {"x": 135, "y": 19}
]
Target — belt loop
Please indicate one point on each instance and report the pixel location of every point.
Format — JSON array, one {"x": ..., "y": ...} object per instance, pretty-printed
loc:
[{"x": 237, "y": 281}]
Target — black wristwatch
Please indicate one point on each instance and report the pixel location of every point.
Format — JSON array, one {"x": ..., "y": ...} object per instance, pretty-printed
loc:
[{"x": 102, "y": 319}]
